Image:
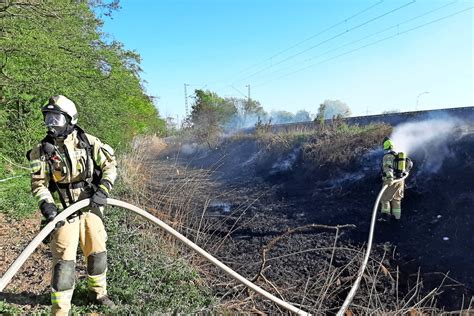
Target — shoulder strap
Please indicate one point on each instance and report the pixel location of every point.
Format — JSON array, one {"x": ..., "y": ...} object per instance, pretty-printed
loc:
[
  {"x": 47, "y": 149},
  {"x": 394, "y": 154},
  {"x": 85, "y": 143},
  {"x": 81, "y": 134}
]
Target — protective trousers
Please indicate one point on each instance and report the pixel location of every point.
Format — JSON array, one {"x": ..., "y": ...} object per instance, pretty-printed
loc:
[
  {"x": 391, "y": 200},
  {"x": 88, "y": 230}
]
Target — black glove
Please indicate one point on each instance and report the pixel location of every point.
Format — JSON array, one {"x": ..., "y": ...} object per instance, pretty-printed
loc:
[
  {"x": 99, "y": 198},
  {"x": 56, "y": 227},
  {"x": 49, "y": 211}
]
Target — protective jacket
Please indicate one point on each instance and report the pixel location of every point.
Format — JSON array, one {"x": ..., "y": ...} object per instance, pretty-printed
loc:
[
  {"x": 69, "y": 170},
  {"x": 65, "y": 171},
  {"x": 389, "y": 166},
  {"x": 393, "y": 195}
]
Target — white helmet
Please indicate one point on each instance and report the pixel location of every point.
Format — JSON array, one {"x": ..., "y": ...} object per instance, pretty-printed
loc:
[{"x": 61, "y": 104}]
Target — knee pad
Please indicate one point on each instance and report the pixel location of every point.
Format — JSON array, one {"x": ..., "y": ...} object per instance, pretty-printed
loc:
[
  {"x": 97, "y": 263},
  {"x": 64, "y": 275}
]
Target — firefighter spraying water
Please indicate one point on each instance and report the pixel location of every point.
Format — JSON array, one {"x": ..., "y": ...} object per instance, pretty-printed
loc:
[{"x": 395, "y": 166}]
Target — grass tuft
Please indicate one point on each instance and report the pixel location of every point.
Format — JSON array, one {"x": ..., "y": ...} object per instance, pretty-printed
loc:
[{"x": 15, "y": 195}]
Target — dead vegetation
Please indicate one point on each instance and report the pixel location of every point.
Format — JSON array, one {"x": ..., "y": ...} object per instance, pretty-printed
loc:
[
  {"x": 284, "y": 139},
  {"x": 333, "y": 144},
  {"x": 311, "y": 269},
  {"x": 341, "y": 144}
]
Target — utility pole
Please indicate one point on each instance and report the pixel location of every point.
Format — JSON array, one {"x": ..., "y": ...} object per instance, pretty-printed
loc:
[
  {"x": 186, "y": 99},
  {"x": 248, "y": 93}
]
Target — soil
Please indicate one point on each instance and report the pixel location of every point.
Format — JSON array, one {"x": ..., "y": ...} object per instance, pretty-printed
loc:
[
  {"x": 32, "y": 281},
  {"x": 433, "y": 241},
  {"x": 266, "y": 196},
  {"x": 30, "y": 287}
]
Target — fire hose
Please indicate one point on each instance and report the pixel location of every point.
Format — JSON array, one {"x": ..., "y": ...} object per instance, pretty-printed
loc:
[
  {"x": 355, "y": 286},
  {"x": 16, "y": 265}
]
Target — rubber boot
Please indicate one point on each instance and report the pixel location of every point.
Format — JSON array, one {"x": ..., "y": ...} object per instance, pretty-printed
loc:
[
  {"x": 384, "y": 217},
  {"x": 102, "y": 301},
  {"x": 106, "y": 301}
]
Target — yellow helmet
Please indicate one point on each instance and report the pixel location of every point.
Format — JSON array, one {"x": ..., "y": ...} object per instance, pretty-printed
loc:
[{"x": 387, "y": 143}]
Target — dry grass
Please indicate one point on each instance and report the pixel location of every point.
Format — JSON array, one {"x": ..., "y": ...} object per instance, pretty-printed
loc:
[
  {"x": 322, "y": 290},
  {"x": 180, "y": 196},
  {"x": 336, "y": 142},
  {"x": 341, "y": 145},
  {"x": 165, "y": 189},
  {"x": 283, "y": 139}
]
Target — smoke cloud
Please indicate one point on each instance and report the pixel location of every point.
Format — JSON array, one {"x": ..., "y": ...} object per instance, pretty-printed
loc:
[
  {"x": 286, "y": 163},
  {"x": 427, "y": 141},
  {"x": 189, "y": 149},
  {"x": 240, "y": 121}
]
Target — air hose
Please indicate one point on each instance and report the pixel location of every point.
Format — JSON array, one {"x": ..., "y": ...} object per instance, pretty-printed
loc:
[
  {"x": 81, "y": 204},
  {"x": 355, "y": 286}
]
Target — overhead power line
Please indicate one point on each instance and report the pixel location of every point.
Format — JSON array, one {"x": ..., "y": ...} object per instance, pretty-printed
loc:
[
  {"x": 369, "y": 44},
  {"x": 328, "y": 40},
  {"x": 395, "y": 26},
  {"x": 312, "y": 36},
  {"x": 303, "y": 41},
  {"x": 240, "y": 92}
]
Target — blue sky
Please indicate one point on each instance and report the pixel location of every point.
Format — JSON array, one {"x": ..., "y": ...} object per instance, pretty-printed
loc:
[{"x": 373, "y": 55}]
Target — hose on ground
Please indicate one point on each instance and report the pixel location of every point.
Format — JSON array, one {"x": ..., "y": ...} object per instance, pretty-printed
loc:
[
  {"x": 81, "y": 204},
  {"x": 355, "y": 286}
]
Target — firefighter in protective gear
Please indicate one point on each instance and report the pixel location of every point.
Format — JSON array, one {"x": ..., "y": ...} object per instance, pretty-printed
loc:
[
  {"x": 394, "y": 166},
  {"x": 68, "y": 166}
]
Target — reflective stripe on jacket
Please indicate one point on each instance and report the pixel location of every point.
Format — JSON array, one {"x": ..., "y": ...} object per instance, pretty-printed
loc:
[{"x": 68, "y": 165}]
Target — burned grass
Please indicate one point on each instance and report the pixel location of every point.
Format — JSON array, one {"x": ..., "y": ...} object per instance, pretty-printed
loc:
[
  {"x": 341, "y": 145},
  {"x": 334, "y": 184}
]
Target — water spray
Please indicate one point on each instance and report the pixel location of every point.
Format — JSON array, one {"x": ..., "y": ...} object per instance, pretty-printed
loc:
[{"x": 428, "y": 139}]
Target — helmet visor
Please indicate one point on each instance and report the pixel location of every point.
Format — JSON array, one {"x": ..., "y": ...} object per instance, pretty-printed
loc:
[{"x": 54, "y": 119}]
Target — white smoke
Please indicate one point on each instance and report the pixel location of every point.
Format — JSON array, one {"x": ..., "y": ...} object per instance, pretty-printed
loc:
[
  {"x": 427, "y": 140},
  {"x": 189, "y": 149},
  {"x": 286, "y": 163}
]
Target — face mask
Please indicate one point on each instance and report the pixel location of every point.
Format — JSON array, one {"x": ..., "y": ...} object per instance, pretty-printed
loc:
[
  {"x": 54, "y": 119},
  {"x": 56, "y": 124}
]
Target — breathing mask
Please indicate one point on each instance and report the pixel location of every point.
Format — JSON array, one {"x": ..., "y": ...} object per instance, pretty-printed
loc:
[{"x": 56, "y": 123}]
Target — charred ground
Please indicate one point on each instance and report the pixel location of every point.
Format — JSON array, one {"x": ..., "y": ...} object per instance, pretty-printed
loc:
[
  {"x": 311, "y": 219},
  {"x": 431, "y": 247}
]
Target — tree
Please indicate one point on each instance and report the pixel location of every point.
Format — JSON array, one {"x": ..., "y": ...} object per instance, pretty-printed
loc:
[
  {"x": 282, "y": 117},
  {"x": 335, "y": 108},
  {"x": 56, "y": 47},
  {"x": 302, "y": 116},
  {"x": 321, "y": 115},
  {"x": 252, "y": 111},
  {"x": 248, "y": 113},
  {"x": 209, "y": 114}
]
